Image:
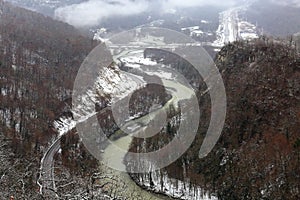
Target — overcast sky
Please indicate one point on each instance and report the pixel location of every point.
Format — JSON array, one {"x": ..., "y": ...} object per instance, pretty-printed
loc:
[{"x": 92, "y": 12}]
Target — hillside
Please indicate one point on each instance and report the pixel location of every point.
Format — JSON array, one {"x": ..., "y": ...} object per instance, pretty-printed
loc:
[
  {"x": 257, "y": 156},
  {"x": 259, "y": 149},
  {"x": 39, "y": 59}
]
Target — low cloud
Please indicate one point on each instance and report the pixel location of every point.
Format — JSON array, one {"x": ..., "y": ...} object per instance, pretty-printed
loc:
[
  {"x": 291, "y": 3},
  {"x": 91, "y": 12},
  {"x": 194, "y": 3}
]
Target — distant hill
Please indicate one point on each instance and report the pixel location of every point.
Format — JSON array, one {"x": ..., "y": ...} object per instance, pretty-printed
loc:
[
  {"x": 275, "y": 19},
  {"x": 46, "y": 7}
]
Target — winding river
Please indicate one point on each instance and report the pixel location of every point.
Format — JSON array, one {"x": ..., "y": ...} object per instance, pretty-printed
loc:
[{"x": 132, "y": 191}]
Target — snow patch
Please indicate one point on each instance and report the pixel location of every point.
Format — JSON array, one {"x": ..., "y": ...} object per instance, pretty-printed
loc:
[
  {"x": 136, "y": 60},
  {"x": 173, "y": 187},
  {"x": 64, "y": 125},
  {"x": 112, "y": 84},
  {"x": 204, "y": 22},
  {"x": 99, "y": 34},
  {"x": 161, "y": 74}
]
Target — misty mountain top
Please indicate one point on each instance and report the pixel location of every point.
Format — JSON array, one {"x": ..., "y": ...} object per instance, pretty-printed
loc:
[{"x": 87, "y": 13}]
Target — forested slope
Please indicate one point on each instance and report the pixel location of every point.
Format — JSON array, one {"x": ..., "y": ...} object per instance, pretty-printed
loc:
[
  {"x": 257, "y": 156},
  {"x": 39, "y": 59}
]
